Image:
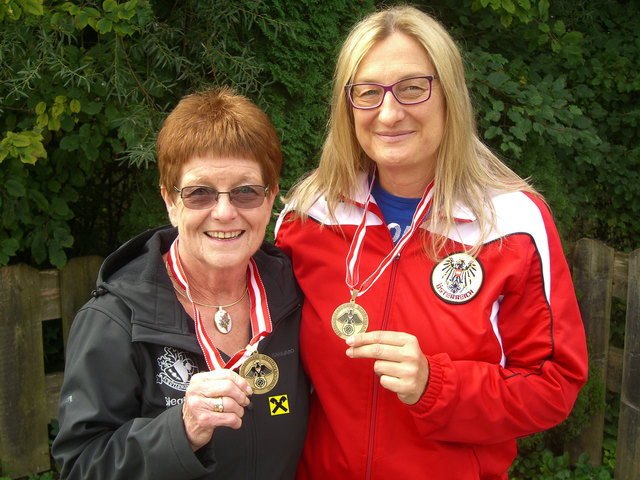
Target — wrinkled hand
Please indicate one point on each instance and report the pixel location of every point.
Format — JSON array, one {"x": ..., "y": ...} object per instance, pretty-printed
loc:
[
  {"x": 400, "y": 363},
  {"x": 198, "y": 413}
]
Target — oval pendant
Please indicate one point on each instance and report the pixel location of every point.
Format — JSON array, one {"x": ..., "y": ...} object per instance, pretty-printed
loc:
[{"x": 223, "y": 321}]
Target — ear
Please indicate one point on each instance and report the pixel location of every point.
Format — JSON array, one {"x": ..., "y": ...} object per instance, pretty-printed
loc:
[{"x": 172, "y": 208}]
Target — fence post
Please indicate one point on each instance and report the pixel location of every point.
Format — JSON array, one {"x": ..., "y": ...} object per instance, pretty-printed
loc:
[
  {"x": 628, "y": 443},
  {"x": 593, "y": 264},
  {"x": 24, "y": 441},
  {"x": 77, "y": 279}
]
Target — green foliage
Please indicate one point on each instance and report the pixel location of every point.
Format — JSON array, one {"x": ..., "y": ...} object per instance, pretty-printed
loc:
[
  {"x": 536, "y": 461},
  {"x": 555, "y": 87},
  {"x": 618, "y": 322},
  {"x": 13, "y": 10},
  {"x": 53, "y": 347},
  {"x": 66, "y": 77},
  {"x": 611, "y": 419},
  {"x": 84, "y": 87},
  {"x": 541, "y": 464},
  {"x": 590, "y": 401}
]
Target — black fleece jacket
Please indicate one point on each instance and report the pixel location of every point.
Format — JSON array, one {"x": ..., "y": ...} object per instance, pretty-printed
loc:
[{"x": 131, "y": 352}]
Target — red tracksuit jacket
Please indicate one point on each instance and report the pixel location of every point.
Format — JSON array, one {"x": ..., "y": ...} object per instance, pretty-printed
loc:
[{"x": 502, "y": 334}]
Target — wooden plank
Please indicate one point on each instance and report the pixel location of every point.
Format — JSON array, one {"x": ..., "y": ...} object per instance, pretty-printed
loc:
[
  {"x": 628, "y": 443},
  {"x": 77, "y": 279},
  {"x": 620, "y": 275},
  {"x": 614, "y": 369},
  {"x": 593, "y": 265},
  {"x": 49, "y": 295},
  {"x": 24, "y": 445},
  {"x": 52, "y": 384}
]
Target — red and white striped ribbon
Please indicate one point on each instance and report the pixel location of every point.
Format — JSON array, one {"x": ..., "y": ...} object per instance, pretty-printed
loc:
[
  {"x": 355, "y": 249},
  {"x": 260, "y": 318}
]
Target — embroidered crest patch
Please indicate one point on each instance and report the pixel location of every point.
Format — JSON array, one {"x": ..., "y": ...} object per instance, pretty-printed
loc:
[
  {"x": 176, "y": 369},
  {"x": 457, "y": 278}
]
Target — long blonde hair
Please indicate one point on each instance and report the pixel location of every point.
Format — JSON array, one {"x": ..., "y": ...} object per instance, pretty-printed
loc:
[{"x": 465, "y": 168}]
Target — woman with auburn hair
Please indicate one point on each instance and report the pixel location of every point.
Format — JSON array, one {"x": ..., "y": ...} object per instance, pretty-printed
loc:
[
  {"x": 440, "y": 322},
  {"x": 186, "y": 365}
]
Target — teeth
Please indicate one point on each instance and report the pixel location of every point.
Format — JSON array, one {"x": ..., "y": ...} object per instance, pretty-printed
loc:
[{"x": 224, "y": 235}]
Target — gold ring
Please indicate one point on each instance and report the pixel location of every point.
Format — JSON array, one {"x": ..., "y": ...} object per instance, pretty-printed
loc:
[{"x": 218, "y": 406}]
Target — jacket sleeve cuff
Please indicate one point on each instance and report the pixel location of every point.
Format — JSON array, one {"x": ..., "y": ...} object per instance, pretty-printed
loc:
[
  {"x": 433, "y": 390},
  {"x": 435, "y": 408},
  {"x": 194, "y": 464}
]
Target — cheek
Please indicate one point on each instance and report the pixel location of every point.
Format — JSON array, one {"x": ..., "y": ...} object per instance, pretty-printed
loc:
[
  {"x": 174, "y": 215},
  {"x": 264, "y": 221},
  {"x": 261, "y": 220},
  {"x": 361, "y": 128},
  {"x": 188, "y": 220}
]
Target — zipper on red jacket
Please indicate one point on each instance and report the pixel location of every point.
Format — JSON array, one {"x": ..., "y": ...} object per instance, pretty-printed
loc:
[{"x": 376, "y": 382}]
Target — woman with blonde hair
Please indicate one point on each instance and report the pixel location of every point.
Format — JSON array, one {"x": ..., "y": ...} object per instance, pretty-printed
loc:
[{"x": 435, "y": 267}]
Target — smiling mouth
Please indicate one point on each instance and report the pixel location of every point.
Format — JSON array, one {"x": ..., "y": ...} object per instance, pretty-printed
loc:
[
  {"x": 393, "y": 136},
  {"x": 224, "y": 235}
]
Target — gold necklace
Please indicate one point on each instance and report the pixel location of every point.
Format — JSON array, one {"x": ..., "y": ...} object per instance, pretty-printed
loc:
[
  {"x": 222, "y": 319},
  {"x": 212, "y": 306}
]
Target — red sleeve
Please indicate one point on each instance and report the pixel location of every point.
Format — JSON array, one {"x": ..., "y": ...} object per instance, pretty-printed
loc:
[{"x": 545, "y": 362}]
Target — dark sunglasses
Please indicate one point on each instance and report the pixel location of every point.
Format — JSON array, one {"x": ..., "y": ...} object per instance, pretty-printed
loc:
[{"x": 198, "y": 197}]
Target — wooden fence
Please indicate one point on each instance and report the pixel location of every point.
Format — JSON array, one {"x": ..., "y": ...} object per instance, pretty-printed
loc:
[
  {"x": 600, "y": 273},
  {"x": 28, "y": 397}
]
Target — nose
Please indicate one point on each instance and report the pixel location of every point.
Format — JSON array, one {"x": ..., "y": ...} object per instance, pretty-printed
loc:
[
  {"x": 224, "y": 209},
  {"x": 390, "y": 111}
]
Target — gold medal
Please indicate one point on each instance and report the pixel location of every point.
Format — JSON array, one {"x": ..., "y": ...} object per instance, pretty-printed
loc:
[
  {"x": 349, "y": 318},
  {"x": 261, "y": 371}
]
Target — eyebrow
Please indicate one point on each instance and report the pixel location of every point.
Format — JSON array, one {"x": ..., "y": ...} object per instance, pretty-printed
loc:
[
  {"x": 206, "y": 181},
  {"x": 410, "y": 75}
]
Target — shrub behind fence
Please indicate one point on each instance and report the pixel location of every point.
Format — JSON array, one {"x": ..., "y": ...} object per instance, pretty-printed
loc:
[{"x": 28, "y": 397}]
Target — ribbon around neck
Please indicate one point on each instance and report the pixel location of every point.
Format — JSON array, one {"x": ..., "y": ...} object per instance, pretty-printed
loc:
[
  {"x": 352, "y": 276},
  {"x": 260, "y": 318}
]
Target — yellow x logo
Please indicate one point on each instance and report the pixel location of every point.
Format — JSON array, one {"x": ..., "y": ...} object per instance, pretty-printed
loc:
[{"x": 279, "y": 405}]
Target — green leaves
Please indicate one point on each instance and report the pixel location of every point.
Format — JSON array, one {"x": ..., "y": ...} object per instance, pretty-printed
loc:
[
  {"x": 14, "y": 10},
  {"x": 554, "y": 98},
  {"x": 84, "y": 87},
  {"x": 55, "y": 82},
  {"x": 114, "y": 17},
  {"x": 15, "y": 188},
  {"x": 26, "y": 146}
]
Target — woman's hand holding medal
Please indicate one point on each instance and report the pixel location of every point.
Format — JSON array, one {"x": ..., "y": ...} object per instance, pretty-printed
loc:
[
  {"x": 213, "y": 399},
  {"x": 400, "y": 363}
]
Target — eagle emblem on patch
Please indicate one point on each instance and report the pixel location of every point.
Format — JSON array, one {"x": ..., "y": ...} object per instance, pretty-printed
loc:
[
  {"x": 457, "y": 278},
  {"x": 176, "y": 369}
]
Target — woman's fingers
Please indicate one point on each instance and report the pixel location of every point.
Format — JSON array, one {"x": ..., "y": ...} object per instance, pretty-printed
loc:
[
  {"x": 213, "y": 399},
  {"x": 400, "y": 363}
]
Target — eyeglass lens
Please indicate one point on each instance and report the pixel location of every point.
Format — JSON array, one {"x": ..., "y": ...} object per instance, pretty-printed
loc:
[
  {"x": 407, "y": 91},
  {"x": 200, "y": 197}
]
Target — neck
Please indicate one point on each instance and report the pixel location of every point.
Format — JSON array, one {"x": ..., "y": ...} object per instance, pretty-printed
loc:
[
  {"x": 215, "y": 287},
  {"x": 406, "y": 184}
]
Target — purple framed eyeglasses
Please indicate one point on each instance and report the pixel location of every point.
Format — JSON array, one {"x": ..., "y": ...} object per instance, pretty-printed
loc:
[{"x": 408, "y": 91}]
